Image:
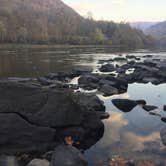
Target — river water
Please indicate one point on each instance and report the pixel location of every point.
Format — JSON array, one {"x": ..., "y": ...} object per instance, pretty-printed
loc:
[{"x": 134, "y": 135}]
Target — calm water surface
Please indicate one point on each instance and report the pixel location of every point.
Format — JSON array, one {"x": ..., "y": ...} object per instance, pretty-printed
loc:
[{"x": 133, "y": 135}]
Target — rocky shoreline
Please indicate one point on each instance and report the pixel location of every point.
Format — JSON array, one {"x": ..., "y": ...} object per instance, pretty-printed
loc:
[{"x": 49, "y": 118}]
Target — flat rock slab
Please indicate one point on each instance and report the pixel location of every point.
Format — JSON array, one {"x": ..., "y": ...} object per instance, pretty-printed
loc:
[{"x": 30, "y": 116}]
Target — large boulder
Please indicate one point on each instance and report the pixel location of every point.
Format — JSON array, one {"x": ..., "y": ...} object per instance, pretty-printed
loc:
[
  {"x": 67, "y": 156},
  {"x": 33, "y": 117},
  {"x": 107, "y": 68}
]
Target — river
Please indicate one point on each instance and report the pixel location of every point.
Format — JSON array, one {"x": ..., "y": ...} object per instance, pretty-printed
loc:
[{"x": 134, "y": 135}]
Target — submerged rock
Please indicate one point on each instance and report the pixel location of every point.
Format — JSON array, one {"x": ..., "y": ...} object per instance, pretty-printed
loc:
[
  {"x": 127, "y": 105},
  {"x": 67, "y": 156},
  {"x": 149, "y": 107}
]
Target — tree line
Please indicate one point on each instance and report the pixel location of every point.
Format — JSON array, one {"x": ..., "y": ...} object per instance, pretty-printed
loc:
[{"x": 26, "y": 26}]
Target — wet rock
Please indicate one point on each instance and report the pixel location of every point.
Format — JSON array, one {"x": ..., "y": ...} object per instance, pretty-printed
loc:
[
  {"x": 120, "y": 59},
  {"x": 88, "y": 82},
  {"x": 39, "y": 162},
  {"x": 90, "y": 102},
  {"x": 8, "y": 161},
  {"x": 150, "y": 63},
  {"x": 137, "y": 58},
  {"x": 104, "y": 115},
  {"x": 148, "y": 56},
  {"x": 130, "y": 56},
  {"x": 164, "y": 107},
  {"x": 67, "y": 156},
  {"x": 149, "y": 107},
  {"x": 155, "y": 113},
  {"x": 153, "y": 80},
  {"x": 60, "y": 76},
  {"x": 80, "y": 71},
  {"x": 38, "y": 114},
  {"x": 108, "y": 90},
  {"x": 163, "y": 136},
  {"x": 127, "y": 105},
  {"x": 131, "y": 63},
  {"x": 163, "y": 119},
  {"x": 107, "y": 68},
  {"x": 118, "y": 83}
]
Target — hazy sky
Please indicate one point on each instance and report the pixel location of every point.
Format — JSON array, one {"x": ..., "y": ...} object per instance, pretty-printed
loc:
[{"x": 122, "y": 10}]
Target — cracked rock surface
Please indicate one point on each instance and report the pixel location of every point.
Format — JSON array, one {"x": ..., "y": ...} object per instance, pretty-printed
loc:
[{"x": 35, "y": 120}]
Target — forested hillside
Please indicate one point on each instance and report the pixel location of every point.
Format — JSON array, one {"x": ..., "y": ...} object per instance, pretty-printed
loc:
[
  {"x": 52, "y": 21},
  {"x": 159, "y": 32}
]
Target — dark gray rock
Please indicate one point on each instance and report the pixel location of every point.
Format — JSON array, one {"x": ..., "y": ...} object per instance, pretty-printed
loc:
[
  {"x": 163, "y": 119},
  {"x": 88, "y": 82},
  {"x": 90, "y": 102},
  {"x": 149, "y": 107},
  {"x": 32, "y": 117},
  {"x": 81, "y": 70},
  {"x": 163, "y": 136},
  {"x": 108, "y": 90},
  {"x": 148, "y": 56},
  {"x": 149, "y": 63},
  {"x": 67, "y": 156},
  {"x": 118, "y": 83},
  {"x": 18, "y": 135},
  {"x": 107, "y": 68},
  {"x": 164, "y": 107},
  {"x": 130, "y": 56},
  {"x": 127, "y": 105},
  {"x": 120, "y": 59}
]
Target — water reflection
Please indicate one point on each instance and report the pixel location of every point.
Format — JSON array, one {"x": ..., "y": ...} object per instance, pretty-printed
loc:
[{"x": 136, "y": 134}]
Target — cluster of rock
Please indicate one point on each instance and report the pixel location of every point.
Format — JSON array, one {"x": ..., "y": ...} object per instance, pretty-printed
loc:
[
  {"x": 36, "y": 119},
  {"x": 63, "y": 155},
  {"x": 147, "y": 70},
  {"x": 116, "y": 82},
  {"x": 39, "y": 114}
]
